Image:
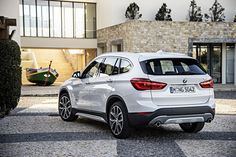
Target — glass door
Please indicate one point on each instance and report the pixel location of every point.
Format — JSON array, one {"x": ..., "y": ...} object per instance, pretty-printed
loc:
[
  {"x": 201, "y": 53},
  {"x": 230, "y": 63},
  {"x": 210, "y": 57},
  {"x": 215, "y": 61}
]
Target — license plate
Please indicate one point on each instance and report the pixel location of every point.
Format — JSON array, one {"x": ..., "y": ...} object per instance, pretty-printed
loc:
[{"x": 182, "y": 89}]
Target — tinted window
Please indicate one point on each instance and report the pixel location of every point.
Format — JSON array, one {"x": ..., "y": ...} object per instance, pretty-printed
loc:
[
  {"x": 172, "y": 67},
  {"x": 125, "y": 66},
  {"x": 167, "y": 66},
  {"x": 107, "y": 67},
  {"x": 116, "y": 68},
  {"x": 92, "y": 69}
]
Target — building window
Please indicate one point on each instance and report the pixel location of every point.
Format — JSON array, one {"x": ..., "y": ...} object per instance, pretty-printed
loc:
[
  {"x": 21, "y": 19},
  {"x": 43, "y": 18},
  {"x": 29, "y": 18},
  {"x": 79, "y": 20},
  {"x": 55, "y": 19},
  {"x": 67, "y": 20},
  {"x": 90, "y": 20}
]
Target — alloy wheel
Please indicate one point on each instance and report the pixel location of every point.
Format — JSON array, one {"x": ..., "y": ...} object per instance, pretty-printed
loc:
[
  {"x": 116, "y": 120},
  {"x": 65, "y": 107}
]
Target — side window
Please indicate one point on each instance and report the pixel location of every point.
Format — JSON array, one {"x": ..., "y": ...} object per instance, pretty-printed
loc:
[
  {"x": 125, "y": 66},
  {"x": 92, "y": 69},
  {"x": 116, "y": 67},
  {"x": 107, "y": 67}
]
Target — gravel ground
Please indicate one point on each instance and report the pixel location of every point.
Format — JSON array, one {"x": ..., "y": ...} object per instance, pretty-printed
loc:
[{"x": 35, "y": 129}]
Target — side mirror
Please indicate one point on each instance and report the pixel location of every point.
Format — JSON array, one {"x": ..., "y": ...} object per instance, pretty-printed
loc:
[{"x": 76, "y": 74}]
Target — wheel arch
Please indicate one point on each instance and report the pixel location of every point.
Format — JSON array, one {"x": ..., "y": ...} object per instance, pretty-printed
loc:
[
  {"x": 63, "y": 91},
  {"x": 111, "y": 100}
]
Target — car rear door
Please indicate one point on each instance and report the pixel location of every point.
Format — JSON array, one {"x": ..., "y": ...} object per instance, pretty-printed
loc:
[{"x": 182, "y": 78}]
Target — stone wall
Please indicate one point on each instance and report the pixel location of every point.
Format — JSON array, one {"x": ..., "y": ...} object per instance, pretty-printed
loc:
[{"x": 151, "y": 36}]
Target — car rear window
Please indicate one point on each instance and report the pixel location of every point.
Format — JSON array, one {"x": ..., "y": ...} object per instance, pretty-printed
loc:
[{"x": 173, "y": 66}]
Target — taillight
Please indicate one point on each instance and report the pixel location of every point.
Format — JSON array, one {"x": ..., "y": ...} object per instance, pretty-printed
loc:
[
  {"x": 146, "y": 84},
  {"x": 207, "y": 84}
]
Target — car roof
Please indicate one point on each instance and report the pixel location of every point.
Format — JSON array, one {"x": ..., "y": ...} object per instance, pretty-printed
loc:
[{"x": 146, "y": 55}]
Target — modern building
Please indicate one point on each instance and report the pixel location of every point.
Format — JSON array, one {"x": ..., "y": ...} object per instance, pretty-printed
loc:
[{"x": 73, "y": 32}]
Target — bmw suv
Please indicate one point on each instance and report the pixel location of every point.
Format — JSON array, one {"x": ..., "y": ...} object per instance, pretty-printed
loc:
[{"x": 140, "y": 89}]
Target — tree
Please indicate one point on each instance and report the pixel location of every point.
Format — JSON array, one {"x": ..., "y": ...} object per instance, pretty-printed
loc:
[
  {"x": 216, "y": 13},
  {"x": 10, "y": 69},
  {"x": 163, "y": 14},
  {"x": 195, "y": 12},
  {"x": 235, "y": 18},
  {"x": 132, "y": 12}
]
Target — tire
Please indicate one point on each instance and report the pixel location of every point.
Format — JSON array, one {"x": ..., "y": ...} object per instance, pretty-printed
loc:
[
  {"x": 192, "y": 127},
  {"x": 65, "y": 108},
  {"x": 118, "y": 120}
]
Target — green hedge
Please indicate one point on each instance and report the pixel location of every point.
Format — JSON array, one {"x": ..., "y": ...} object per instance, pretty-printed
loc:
[{"x": 10, "y": 76}]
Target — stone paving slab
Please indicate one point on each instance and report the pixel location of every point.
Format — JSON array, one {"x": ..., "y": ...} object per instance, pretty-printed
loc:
[
  {"x": 216, "y": 148},
  {"x": 101, "y": 148}
]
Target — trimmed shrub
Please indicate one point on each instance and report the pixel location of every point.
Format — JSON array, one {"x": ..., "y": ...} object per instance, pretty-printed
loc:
[
  {"x": 195, "y": 12},
  {"x": 132, "y": 12},
  {"x": 163, "y": 14},
  {"x": 216, "y": 13},
  {"x": 10, "y": 79}
]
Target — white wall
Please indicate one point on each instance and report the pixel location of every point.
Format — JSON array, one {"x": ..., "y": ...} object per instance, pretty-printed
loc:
[
  {"x": 32, "y": 42},
  {"x": 111, "y": 12},
  {"x": 10, "y": 9},
  {"x": 91, "y": 1}
]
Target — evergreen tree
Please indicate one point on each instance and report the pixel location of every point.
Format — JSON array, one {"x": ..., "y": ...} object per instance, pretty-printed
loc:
[
  {"x": 132, "y": 12},
  {"x": 195, "y": 12},
  {"x": 216, "y": 13},
  {"x": 163, "y": 14}
]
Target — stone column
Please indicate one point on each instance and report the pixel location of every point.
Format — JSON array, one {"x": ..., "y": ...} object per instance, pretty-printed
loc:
[{"x": 223, "y": 63}]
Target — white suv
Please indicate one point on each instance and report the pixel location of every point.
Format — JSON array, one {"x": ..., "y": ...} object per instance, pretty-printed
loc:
[{"x": 140, "y": 89}]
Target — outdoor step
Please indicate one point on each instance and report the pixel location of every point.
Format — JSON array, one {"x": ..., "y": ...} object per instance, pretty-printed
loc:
[
  {"x": 49, "y": 55},
  {"x": 25, "y": 55},
  {"x": 54, "y": 63},
  {"x": 27, "y": 64}
]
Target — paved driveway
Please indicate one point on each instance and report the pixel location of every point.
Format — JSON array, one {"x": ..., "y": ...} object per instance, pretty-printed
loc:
[{"x": 35, "y": 129}]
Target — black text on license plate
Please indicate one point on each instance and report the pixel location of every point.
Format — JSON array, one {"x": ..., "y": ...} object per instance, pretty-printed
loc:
[{"x": 182, "y": 89}]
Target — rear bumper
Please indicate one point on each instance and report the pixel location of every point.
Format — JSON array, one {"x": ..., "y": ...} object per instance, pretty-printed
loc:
[{"x": 173, "y": 116}]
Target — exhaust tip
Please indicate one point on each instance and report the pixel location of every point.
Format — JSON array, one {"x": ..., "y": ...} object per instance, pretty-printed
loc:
[
  {"x": 158, "y": 124},
  {"x": 209, "y": 120}
]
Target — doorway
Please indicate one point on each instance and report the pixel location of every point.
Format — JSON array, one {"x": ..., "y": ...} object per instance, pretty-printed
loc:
[{"x": 210, "y": 57}]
